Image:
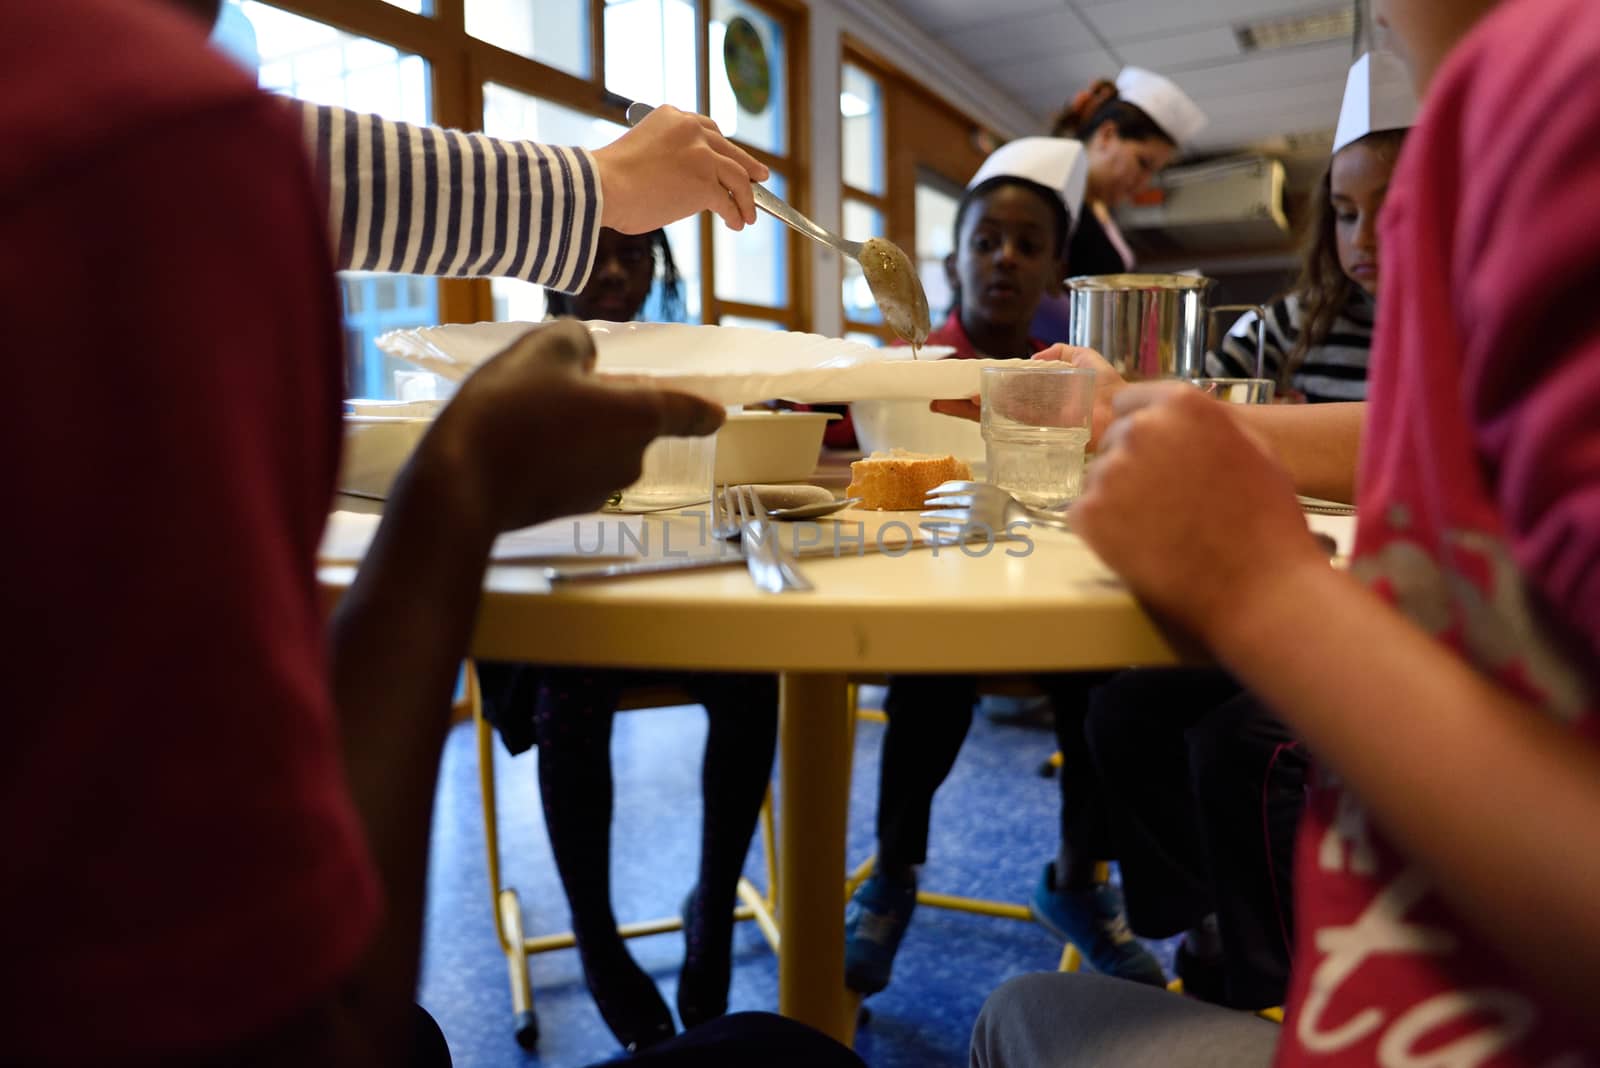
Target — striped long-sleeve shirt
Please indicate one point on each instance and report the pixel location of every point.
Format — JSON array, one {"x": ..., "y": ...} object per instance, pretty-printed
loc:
[
  {"x": 425, "y": 200},
  {"x": 1335, "y": 370}
]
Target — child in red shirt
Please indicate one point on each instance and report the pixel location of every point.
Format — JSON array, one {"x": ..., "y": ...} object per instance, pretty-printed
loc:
[{"x": 1447, "y": 870}]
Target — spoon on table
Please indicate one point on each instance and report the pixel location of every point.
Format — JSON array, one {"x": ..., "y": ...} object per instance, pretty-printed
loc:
[
  {"x": 814, "y": 511},
  {"x": 889, "y": 271}
]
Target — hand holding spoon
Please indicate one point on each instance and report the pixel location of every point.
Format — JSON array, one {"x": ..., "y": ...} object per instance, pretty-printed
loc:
[{"x": 889, "y": 271}]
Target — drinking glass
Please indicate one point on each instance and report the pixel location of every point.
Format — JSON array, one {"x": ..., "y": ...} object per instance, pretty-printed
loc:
[
  {"x": 674, "y": 471},
  {"x": 1237, "y": 390},
  {"x": 1036, "y": 428}
]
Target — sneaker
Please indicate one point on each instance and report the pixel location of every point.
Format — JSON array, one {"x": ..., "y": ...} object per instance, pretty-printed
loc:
[
  {"x": 875, "y": 920},
  {"x": 1093, "y": 921}
]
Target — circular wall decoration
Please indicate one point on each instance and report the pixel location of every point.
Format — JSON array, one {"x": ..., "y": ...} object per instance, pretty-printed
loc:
[{"x": 744, "y": 57}]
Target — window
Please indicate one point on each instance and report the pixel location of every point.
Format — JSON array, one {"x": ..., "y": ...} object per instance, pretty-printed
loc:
[
  {"x": 314, "y": 61},
  {"x": 753, "y": 264},
  {"x": 650, "y": 51},
  {"x": 748, "y": 58},
  {"x": 911, "y": 199},
  {"x": 554, "y": 32},
  {"x": 861, "y": 221},
  {"x": 561, "y": 71},
  {"x": 866, "y": 202},
  {"x": 936, "y": 203},
  {"x": 861, "y": 118}
]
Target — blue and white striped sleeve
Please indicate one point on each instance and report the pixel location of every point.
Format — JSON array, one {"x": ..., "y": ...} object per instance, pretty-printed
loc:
[{"x": 424, "y": 200}]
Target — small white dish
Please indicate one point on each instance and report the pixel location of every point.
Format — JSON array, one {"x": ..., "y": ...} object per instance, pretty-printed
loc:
[{"x": 769, "y": 446}]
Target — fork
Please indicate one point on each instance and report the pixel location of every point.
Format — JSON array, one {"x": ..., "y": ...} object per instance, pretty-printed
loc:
[
  {"x": 770, "y": 565},
  {"x": 980, "y": 505}
]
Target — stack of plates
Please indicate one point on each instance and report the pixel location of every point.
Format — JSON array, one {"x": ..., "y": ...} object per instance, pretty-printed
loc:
[{"x": 726, "y": 364}]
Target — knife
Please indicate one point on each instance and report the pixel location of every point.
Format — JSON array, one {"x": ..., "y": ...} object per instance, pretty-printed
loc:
[{"x": 557, "y": 575}]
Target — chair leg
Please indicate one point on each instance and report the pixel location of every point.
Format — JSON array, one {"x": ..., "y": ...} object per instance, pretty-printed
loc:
[
  {"x": 1071, "y": 959},
  {"x": 507, "y": 907},
  {"x": 769, "y": 849},
  {"x": 526, "y": 1026}
]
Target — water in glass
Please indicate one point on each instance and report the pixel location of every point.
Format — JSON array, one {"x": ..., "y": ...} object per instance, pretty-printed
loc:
[{"x": 1039, "y": 466}]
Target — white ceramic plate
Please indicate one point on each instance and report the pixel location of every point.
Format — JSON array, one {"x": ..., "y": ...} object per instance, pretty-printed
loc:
[{"x": 727, "y": 364}]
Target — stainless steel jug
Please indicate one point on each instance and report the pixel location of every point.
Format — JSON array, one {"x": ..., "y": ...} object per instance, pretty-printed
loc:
[{"x": 1149, "y": 325}]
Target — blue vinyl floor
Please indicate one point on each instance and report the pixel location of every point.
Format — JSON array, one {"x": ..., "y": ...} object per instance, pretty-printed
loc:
[{"x": 994, "y": 826}]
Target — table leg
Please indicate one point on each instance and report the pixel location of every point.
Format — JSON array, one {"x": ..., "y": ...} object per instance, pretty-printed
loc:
[{"x": 814, "y": 748}]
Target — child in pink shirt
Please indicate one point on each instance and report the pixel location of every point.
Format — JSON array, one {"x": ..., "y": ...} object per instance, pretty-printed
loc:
[{"x": 1448, "y": 863}]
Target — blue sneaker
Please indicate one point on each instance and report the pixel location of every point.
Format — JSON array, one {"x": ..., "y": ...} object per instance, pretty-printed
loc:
[
  {"x": 875, "y": 920},
  {"x": 1093, "y": 921}
]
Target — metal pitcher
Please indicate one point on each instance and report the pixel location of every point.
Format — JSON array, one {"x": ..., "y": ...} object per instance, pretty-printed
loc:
[{"x": 1150, "y": 325}]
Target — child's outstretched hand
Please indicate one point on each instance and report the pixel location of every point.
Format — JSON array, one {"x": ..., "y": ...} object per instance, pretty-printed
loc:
[
  {"x": 530, "y": 436},
  {"x": 1195, "y": 516},
  {"x": 1108, "y": 382}
]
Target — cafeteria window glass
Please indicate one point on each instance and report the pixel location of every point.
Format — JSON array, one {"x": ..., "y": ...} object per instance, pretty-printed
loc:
[
  {"x": 936, "y": 203},
  {"x": 553, "y": 32},
  {"x": 753, "y": 265},
  {"x": 865, "y": 209},
  {"x": 744, "y": 320},
  {"x": 748, "y": 51},
  {"x": 650, "y": 48},
  {"x": 862, "y": 126},
  {"x": 510, "y": 114},
  {"x": 311, "y": 60}
]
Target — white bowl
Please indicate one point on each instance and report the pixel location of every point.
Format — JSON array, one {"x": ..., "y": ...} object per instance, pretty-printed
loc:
[
  {"x": 376, "y": 447},
  {"x": 900, "y": 424},
  {"x": 770, "y": 446},
  {"x": 415, "y": 409},
  {"x": 751, "y": 447}
]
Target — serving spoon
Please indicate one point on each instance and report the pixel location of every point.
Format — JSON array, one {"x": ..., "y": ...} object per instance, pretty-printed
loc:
[{"x": 889, "y": 271}]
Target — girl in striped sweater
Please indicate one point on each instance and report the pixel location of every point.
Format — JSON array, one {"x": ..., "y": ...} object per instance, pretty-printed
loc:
[{"x": 1319, "y": 334}]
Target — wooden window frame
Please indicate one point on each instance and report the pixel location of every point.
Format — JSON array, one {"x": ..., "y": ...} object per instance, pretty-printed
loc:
[
  {"x": 910, "y": 111},
  {"x": 460, "y": 64}
]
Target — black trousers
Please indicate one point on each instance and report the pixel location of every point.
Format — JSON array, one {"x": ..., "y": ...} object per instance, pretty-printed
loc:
[
  {"x": 929, "y": 716},
  {"x": 1205, "y": 790}
]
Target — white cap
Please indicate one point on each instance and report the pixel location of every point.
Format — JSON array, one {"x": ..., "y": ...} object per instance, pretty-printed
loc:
[
  {"x": 1178, "y": 116},
  {"x": 1377, "y": 97},
  {"x": 1057, "y": 163}
]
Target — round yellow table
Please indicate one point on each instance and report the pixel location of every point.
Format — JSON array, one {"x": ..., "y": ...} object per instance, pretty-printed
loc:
[{"x": 1045, "y": 605}]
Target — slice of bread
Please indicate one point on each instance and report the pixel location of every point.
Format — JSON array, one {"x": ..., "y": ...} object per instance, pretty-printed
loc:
[{"x": 898, "y": 480}]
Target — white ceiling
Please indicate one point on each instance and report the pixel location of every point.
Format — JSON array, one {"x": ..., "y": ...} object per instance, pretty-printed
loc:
[{"x": 1042, "y": 52}]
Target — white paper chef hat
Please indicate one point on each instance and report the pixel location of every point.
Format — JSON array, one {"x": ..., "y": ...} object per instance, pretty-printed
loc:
[
  {"x": 1057, "y": 163},
  {"x": 1377, "y": 97},
  {"x": 1170, "y": 107}
]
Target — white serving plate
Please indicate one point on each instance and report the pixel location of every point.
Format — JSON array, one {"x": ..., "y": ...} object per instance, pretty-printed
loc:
[{"x": 726, "y": 364}]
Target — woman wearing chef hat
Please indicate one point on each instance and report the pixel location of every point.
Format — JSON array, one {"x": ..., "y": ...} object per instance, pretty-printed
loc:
[{"x": 1131, "y": 129}]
